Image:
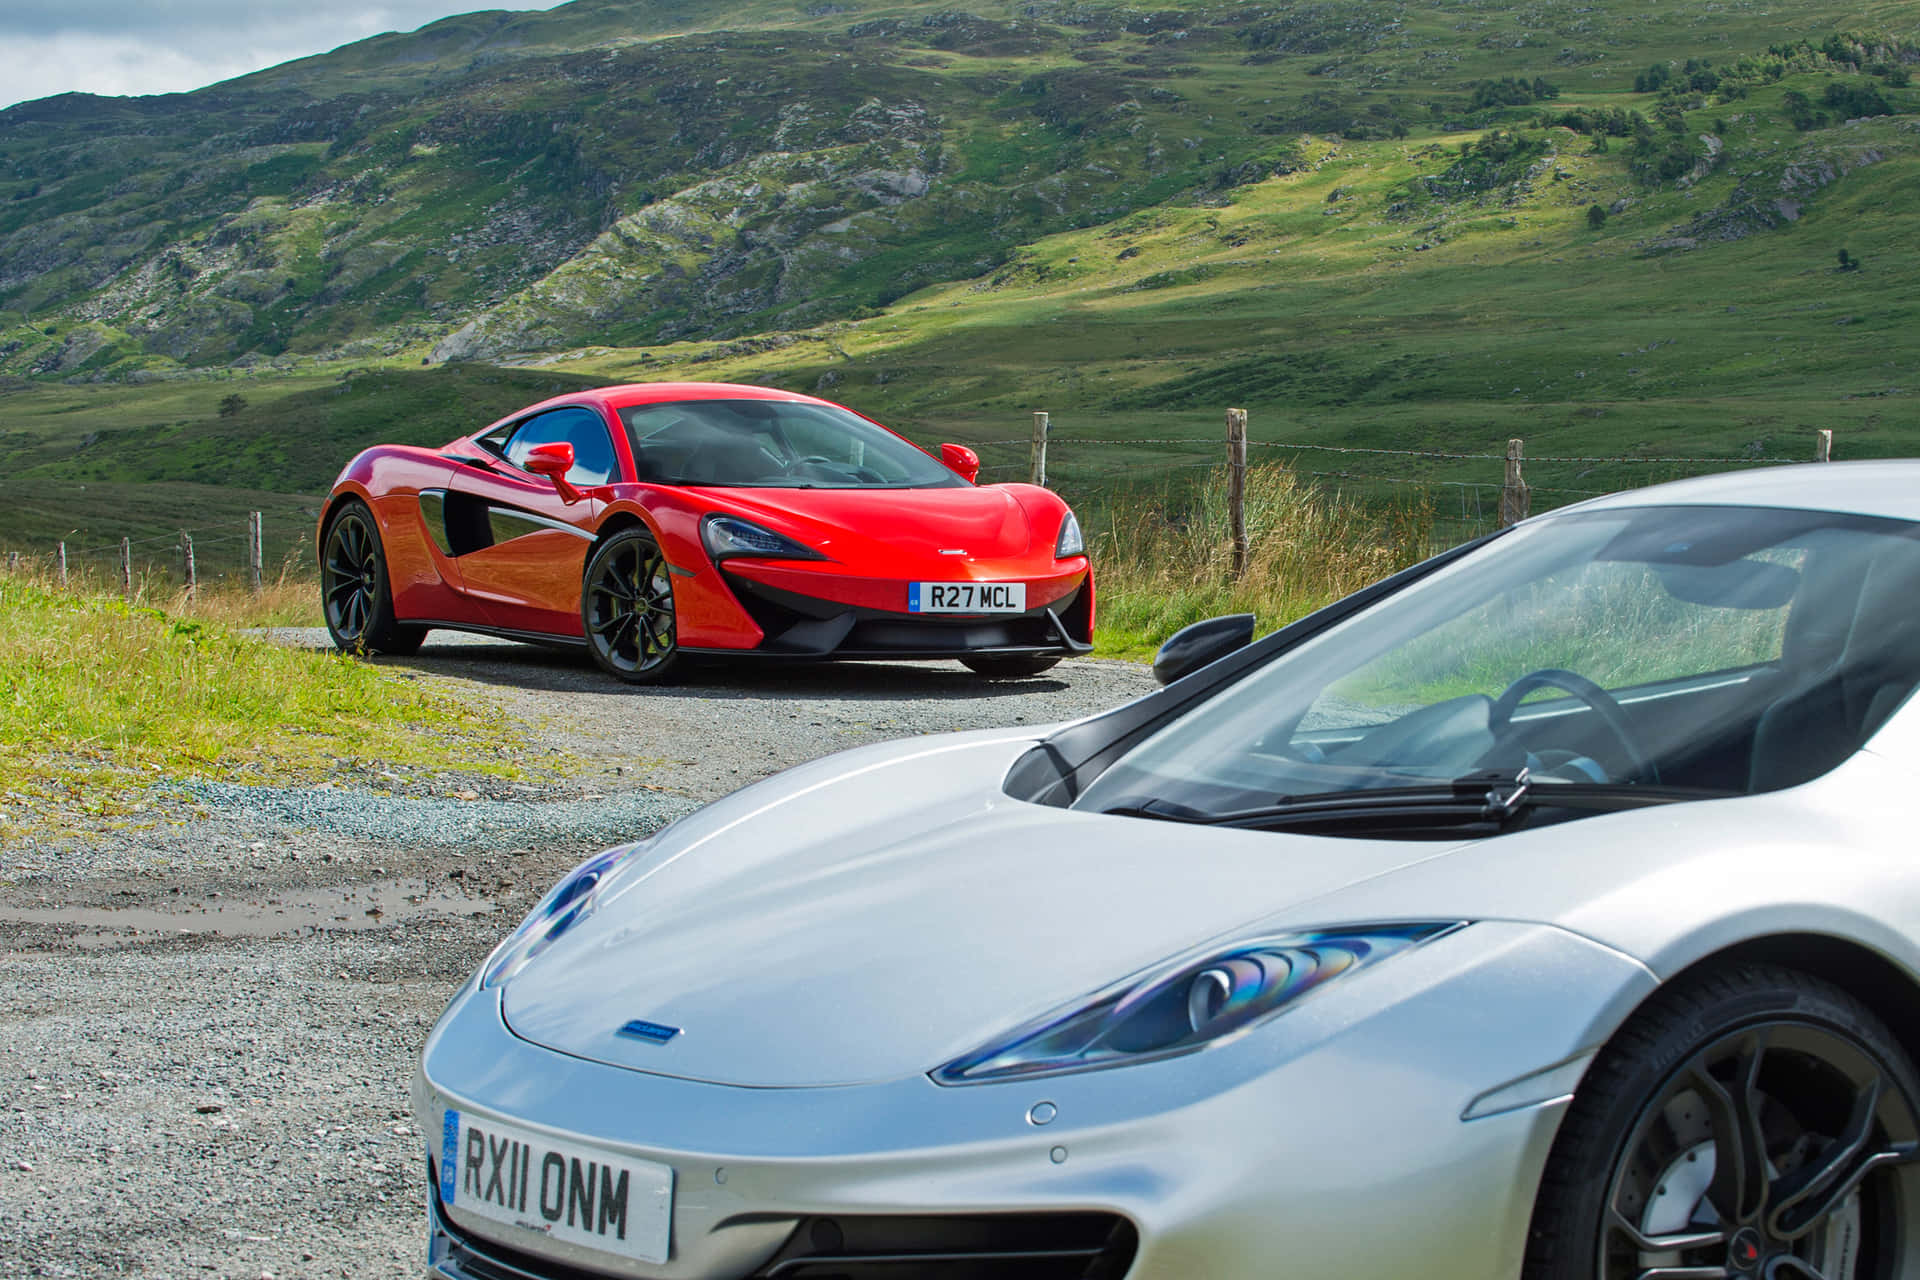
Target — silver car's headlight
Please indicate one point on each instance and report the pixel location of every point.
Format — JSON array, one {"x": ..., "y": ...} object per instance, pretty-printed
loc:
[
  {"x": 566, "y": 905},
  {"x": 1186, "y": 1004}
]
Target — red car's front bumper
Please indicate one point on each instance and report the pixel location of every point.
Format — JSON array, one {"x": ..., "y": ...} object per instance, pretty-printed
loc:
[{"x": 805, "y": 610}]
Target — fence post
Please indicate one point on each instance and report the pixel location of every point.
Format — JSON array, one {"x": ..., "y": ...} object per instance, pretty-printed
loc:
[
  {"x": 63, "y": 565},
  {"x": 186, "y": 546},
  {"x": 126, "y": 568},
  {"x": 1237, "y": 488},
  {"x": 1037, "y": 459},
  {"x": 13, "y": 562},
  {"x": 1515, "y": 499},
  {"x": 255, "y": 535},
  {"x": 1823, "y": 446}
]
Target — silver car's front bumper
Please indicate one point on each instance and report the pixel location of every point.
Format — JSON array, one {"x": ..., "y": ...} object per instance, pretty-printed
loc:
[{"x": 1333, "y": 1140}]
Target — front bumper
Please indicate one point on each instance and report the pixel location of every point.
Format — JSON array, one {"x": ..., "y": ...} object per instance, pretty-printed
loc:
[
  {"x": 807, "y": 614},
  {"x": 1329, "y": 1141}
]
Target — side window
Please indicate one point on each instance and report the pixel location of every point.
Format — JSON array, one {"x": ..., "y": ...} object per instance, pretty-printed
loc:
[{"x": 593, "y": 458}]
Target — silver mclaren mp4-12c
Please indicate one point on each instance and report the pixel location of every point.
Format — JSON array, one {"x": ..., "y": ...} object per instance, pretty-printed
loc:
[{"x": 1549, "y": 910}]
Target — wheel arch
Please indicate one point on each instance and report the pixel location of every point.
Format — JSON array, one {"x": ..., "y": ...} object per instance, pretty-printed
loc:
[
  {"x": 619, "y": 520},
  {"x": 338, "y": 499},
  {"x": 1884, "y": 986}
]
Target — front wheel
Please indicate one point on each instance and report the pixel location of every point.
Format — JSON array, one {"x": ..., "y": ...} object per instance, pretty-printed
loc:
[
  {"x": 1750, "y": 1124},
  {"x": 626, "y": 608},
  {"x": 1010, "y": 666},
  {"x": 355, "y": 594}
]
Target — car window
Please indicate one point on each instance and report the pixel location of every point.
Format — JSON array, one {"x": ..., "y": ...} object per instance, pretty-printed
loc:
[
  {"x": 1615, "y": 622},
  {"x": 1719, "y": 650},
  {"x": 773, "y": 444},
  {"x": 593, "y": 458}
]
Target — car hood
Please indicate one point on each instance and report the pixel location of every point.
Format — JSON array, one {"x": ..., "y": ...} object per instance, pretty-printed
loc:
[
  {"x": 877, "y": 914},
  {"x": 850, "y": 523}
]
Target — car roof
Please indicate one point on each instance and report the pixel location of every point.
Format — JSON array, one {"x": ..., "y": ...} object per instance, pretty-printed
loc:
[
  {"x": 1889, "y": 489},
  {"x": 656, "y": 392}
]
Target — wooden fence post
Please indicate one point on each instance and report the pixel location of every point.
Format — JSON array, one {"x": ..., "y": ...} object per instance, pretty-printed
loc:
[
  {"x": 186, "y": 547},
  {"x": 1823, "y": 446},
  {"x": 62, "y": 559},
  {"x": 1037, "y": 459},
  {"x": 1237, "y": 488},
  {"x": 126, "y": 568},
  {"x": 255, "y": 535},
  {"x": 1515, "y": 499}
]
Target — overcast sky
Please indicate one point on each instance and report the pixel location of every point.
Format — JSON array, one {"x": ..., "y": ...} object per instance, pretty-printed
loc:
[{"x": 165, "y": 46}]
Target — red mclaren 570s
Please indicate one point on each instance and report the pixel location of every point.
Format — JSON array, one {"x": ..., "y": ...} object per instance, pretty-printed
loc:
[{"x": 657, "y": 521}]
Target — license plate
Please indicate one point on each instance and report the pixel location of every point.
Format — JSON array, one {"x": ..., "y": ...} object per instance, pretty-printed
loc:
[
  {"x": 562, "y": 1190},
  {"x": 966, "y": 597}
]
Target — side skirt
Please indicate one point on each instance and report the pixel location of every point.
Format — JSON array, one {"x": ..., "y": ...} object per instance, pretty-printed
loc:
[{"x": 502, "y": 633}]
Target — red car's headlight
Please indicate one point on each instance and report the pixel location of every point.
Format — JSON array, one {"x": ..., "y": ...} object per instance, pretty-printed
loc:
[{"x": 731, "y": 536}]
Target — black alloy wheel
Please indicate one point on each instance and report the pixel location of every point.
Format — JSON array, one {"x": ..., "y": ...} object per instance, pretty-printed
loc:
[
  {"x": 626, "y": 608},
  {"x": 1751, "y": 1124},
  {"x": 1009, "y": 666},
  {"x": 354, "y": 592}
]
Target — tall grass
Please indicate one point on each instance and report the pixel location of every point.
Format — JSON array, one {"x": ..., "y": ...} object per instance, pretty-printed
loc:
[{"x": 1165, "y": 559}]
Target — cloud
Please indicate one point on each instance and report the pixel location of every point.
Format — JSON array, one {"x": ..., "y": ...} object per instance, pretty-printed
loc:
[{"x": 170, "y": 46}]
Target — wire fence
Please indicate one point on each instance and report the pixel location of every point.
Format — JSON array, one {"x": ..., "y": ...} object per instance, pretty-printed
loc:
[
  {"x": 1512, "y": 485},
  {"x": 1085, "y": 469},
  {"x": 232, "y": 551}
]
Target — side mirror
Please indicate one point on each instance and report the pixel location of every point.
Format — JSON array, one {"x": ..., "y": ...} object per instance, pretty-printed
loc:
[
  {"x": 553, "y": 460},
  {"x": 1191, "y": 648},
  {"x": 961, "y": 459}
]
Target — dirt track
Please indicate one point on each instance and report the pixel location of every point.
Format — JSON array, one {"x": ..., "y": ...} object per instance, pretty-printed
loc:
[{"x": 206, "y": 1030}]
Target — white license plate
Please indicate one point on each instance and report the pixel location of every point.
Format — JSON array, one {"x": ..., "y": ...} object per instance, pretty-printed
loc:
[
  {"x": 561, "y": 1190},
  {"x": 966, "y": 597}
]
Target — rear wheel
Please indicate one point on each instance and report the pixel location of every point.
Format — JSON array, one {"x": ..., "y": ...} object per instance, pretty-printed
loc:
[
  {"x": 355, "y": 595},
  {"x": 1751, "y": 1124},
  {"x": 1010, "y": 666},
  {"x": 626, "y": 608}
]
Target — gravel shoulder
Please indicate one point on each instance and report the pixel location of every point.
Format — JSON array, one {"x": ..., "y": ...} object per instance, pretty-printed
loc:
[{"x": 207, "y": 1025}]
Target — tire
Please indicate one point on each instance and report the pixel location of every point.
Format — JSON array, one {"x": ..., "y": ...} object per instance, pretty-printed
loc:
[
  {"x": 1752, "y": 1122},
  {"x": 1010, "y": 666},
  {"x": 355, "y": 596},
  {"x": 626, "y": 609}
]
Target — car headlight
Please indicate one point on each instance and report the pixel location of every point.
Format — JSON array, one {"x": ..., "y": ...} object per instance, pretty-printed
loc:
[
  {"x": 731, "y": 536},
  {"x": 1185, "y": 1004},
  {"x": 566, "y": 905},
  {"x": 1070, "y": 542}
]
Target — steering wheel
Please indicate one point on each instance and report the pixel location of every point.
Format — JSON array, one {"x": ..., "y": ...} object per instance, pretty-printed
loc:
[
  {"x": 808, "y": 461},
  {"x": 1500, "y": 719}
]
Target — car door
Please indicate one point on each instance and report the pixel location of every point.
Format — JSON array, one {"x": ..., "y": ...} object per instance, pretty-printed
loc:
[{"x": 526, "y": 545}]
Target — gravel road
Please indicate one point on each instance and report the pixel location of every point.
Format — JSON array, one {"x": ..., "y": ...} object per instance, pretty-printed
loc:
[{"x": 207, "y": 1027}]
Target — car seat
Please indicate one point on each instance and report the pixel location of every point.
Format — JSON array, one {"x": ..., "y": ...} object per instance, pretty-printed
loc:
[{"x": 1857, "y": 636}]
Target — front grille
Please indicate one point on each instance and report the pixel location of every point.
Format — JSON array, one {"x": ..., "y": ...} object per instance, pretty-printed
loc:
[
  {"x": 800, "y": 626},
  {"x": 1008, "y": 1246},
  {"x": 1022, "y": 1246}
]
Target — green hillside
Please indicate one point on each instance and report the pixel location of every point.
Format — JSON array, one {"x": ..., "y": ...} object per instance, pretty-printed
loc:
[{"x": 1613, "y": 229}]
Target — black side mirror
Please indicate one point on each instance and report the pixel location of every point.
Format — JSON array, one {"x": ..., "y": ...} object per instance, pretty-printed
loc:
[{"x": 1191, "y": 648}]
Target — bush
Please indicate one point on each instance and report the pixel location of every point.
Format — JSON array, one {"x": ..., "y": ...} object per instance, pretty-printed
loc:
[
  {"x": 1855, "y": 101},
  {"x": 1596, "y": 217}
]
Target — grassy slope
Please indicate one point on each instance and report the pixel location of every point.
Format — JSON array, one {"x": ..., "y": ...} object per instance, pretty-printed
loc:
[{"x": 1304, "y": 298}]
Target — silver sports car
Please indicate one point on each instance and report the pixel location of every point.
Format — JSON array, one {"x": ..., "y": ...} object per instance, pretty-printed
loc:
[{"x": 1551, "y": 909}]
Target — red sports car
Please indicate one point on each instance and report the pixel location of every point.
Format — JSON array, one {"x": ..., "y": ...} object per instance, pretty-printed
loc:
[{"x": 660, "y": 520}]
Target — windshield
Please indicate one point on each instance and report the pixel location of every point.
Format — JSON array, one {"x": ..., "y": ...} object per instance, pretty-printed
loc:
[
  {"x": 1707, "y": 650},
  {"x": 773, "y": 444}
]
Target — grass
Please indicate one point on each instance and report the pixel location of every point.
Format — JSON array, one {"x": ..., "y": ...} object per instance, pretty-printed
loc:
[{"x": 102, "y": 702}]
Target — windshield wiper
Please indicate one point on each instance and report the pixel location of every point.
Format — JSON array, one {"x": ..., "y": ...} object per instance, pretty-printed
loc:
[{"x": 1491, "y": 797}]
